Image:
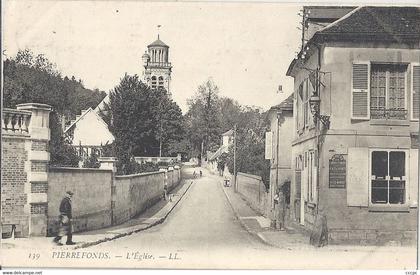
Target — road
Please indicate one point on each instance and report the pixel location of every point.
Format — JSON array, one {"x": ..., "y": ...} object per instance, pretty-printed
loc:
[{"x": 203, "y": 232}]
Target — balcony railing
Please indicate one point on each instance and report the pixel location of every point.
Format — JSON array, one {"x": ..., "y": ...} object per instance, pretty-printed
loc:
[
  {"x": 382, "y": 113},
  {"x": 15, "y": 121},
  {"x": 159, "y": 64}
]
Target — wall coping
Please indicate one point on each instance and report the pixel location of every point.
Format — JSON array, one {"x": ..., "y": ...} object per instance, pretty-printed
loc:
[
  {"x": 250, "y": 176},
  {"x": 76, "y": 169},
  {"x": 138, "y": 175},
  {"x": 30, "y": 106}
]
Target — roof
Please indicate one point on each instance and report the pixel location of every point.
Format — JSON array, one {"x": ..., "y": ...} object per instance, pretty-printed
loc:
[
  {"x": 382, "y": 23},
  {"x": 228, "y": 133},
  {"x": 285, "y": 105},
  {"x": 364, "y": 24},
  {"x": 158, "y": 43},
  {"x": 218, "y": 153},
  {"x": 326, "y": 13},
  {"x": 84, "y": 113}
]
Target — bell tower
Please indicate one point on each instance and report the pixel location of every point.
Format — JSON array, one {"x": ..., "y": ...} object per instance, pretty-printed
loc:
[{"x": 157, "y": 68}]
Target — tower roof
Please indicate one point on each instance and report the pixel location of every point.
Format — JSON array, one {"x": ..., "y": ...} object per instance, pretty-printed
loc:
[{"x": 158, "y": 43}]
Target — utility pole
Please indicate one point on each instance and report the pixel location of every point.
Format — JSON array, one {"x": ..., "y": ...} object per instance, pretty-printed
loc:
[
  {"x": 234, "y": 159},
  {"x": 160, "y": 140}
]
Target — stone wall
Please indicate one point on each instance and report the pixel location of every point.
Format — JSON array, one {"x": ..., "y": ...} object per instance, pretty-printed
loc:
[
  {"x": 91, "y": 201},
  {"x": 252, "y": 188},
  {"x": 134, "y": 193}
]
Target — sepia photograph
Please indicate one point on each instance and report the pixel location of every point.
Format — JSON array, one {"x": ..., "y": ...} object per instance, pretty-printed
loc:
[{"x": 209, "y": 135}]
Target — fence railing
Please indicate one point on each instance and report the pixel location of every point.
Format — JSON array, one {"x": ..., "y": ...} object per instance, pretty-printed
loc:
[
  {"x": 15, "y": 121},
  {"x": 382, "y": 113}
]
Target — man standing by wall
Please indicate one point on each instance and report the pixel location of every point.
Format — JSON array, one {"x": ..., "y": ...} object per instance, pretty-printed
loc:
[
  {"x": 280, "y": 205},
  {"x": 65, "y": 219}
]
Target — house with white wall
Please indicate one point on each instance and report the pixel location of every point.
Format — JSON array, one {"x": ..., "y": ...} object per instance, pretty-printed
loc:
[{"x": 355, "y": 145}]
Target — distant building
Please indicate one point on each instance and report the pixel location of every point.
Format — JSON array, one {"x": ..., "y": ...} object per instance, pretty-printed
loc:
[
  {"x": 88, "y": 133},
  {"x": 280, "y": 144},
  {"x": 157, "y": 68},
  {"x": 213, "y": 158},
  {"x": 356, "y": 110}
]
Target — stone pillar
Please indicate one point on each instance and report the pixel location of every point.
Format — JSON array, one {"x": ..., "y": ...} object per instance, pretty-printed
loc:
[
  {"x": 109, "y": 163},
  {"x": 36, "y": 166}
]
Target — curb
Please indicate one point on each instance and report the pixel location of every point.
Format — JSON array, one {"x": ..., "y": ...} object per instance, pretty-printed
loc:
[
  {"x": 257, "y": 235},
  {"x": 120, "y": 235}
]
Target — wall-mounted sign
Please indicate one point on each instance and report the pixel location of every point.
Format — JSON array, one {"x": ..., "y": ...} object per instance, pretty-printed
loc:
[{"x": 337, "y": 170}]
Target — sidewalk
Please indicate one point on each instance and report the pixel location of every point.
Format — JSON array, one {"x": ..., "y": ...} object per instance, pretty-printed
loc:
[
  {"x": 259, "y": 226},
  {"x": 291, "y": 238},
  {"x": 151, "y": 217}
]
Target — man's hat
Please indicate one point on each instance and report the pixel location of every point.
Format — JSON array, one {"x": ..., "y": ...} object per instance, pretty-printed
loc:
[{"x": 70, "y": 193}]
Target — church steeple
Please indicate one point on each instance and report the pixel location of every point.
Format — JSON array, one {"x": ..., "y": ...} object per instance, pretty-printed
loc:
[{"x": 157, "y": 68}]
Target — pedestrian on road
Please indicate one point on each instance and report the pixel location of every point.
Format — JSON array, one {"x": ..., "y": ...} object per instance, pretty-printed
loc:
[
  {"x": 201, "y": 173},
  {"x": 280, "y": 204},
  {"x": 65, "y": 220},
  {"x": 165, "y": 191}
]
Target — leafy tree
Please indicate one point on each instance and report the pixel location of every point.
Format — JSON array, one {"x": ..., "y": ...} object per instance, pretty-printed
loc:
[
  {"x": 250, "y": 146},
  {"x": 30, "y": 78},
  {"x": 144, "y": 122},
  {"x": 92, "y": 161},
  {"x": 202, "y": 118}
]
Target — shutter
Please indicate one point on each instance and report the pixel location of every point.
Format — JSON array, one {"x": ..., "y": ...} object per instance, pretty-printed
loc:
[
  {"x": 414, "y": 177},
  {"x": 268, "y": 145},
  {"x": 415, "y": 88},
  {"x": 360, "y": 91},
  {"x": 305, "y": 175},
  {"x": 358, "y": 177}
]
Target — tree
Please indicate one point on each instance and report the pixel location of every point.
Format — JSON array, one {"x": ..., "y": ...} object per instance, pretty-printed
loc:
[
  {"x": 30, "y": 78},
  {"x": 202, "y": 118},
  {"x": 144, "y": 121},
  {"x": 250, "y": 146}
]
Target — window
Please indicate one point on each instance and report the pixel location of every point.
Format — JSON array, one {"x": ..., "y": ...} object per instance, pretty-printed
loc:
[
  {"x": 153, "y": 82},
  {"x": 303, "y": 116},
  {"x": 387, "y": 91},
  {"x": 311, "y": 180},
  {"x": 388, "y": 177},
  {"x": 160, "y": 82},
  {"x": 306, "y": 110}
]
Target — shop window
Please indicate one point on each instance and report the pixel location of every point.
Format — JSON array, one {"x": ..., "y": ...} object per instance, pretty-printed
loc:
[{"x": 388, "y": 177}]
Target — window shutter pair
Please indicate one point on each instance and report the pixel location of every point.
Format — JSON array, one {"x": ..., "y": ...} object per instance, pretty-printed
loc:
[
  {"x": 415, "y": 91},
  {"x": 360, "y": 106}
]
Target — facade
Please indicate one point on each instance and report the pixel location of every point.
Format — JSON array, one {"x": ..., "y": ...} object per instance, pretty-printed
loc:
[
  {"x": 355, "y": 146},
  {"x": 88, "y": 133},
  {"x": 281, "y": 129},
  {"x": 213, "y": 159},
  {"x": 157, "y": 68}
]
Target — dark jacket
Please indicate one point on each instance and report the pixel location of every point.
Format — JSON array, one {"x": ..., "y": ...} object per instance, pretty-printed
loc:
[{"x": 65, "y": 207}]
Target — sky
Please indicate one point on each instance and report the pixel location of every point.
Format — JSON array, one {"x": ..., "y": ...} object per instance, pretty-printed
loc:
[{"x": 245, "y": 48}]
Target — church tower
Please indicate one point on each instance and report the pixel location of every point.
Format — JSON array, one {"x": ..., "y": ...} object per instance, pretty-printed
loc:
[{"x": 157, "y": 68}]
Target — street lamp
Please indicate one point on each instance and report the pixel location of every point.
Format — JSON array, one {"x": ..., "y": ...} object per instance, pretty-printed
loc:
[{"x": 314, "y": 104}]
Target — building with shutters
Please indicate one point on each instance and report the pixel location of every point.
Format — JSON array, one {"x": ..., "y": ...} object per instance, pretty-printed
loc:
[
  {"x": 356, "y": 111},
  {"x": 278, "y": 144}
]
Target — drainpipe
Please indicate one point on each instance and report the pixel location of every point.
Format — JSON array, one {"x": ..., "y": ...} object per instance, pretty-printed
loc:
[
  {"x": 318, "y": 130},
  {"x": 277, "y": 148}
]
